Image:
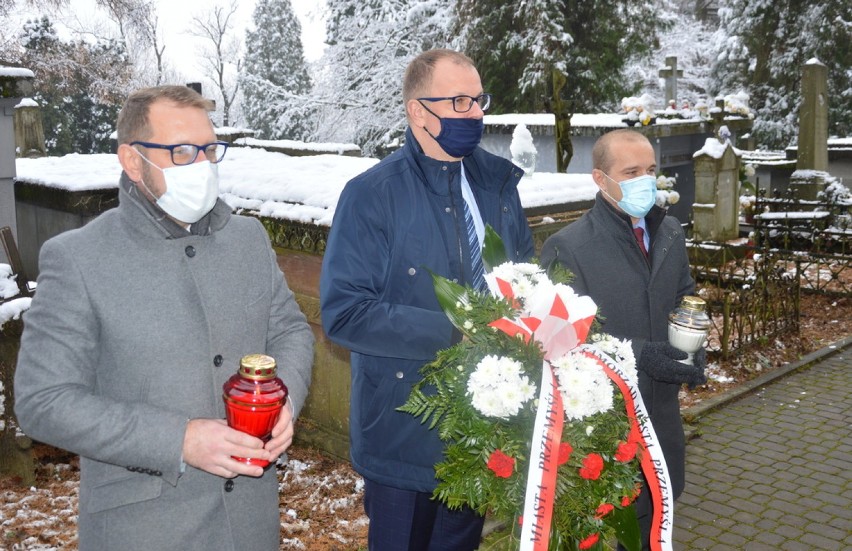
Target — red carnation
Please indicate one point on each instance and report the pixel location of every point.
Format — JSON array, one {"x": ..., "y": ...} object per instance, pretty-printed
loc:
[
  {"x": 627, "y": 500},
  {"x": 501, "y": 464},
  {"x": 592, "y": 466},
  {"x": 626, "y": 451},
  {"x": 590, "y": 541},
  {"x": 565, "y": 450},
  {"x": 603, "y": 510}
]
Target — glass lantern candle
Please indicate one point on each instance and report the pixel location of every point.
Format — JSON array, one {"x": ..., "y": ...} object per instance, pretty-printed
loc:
[
  {"x": 689, "y": 325},
  {"x": 253, "y": 399}
]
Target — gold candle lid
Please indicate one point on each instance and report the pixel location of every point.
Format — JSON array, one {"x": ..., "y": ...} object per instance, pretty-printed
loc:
[
  {"x": 257, "y": 366},
  {"x": 691, "y": 314},
  {"x": 693, "y": 303}
]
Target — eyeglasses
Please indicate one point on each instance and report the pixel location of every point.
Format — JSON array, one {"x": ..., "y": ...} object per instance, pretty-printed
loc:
[
  {"x": 186, "y": 153},
  {"x": 463, "y": 104}
]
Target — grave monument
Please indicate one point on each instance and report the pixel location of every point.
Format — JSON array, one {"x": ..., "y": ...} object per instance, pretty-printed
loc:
[{"x": 812, "y": 158}]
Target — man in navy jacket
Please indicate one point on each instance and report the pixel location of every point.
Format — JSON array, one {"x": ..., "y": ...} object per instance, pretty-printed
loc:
[{"x": 393, "y": 225}]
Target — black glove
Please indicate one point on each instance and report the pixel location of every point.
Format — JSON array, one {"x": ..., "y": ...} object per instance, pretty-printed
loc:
[
  {"x": 699, "y": 361},
  {"x": 660, "y": 361}
]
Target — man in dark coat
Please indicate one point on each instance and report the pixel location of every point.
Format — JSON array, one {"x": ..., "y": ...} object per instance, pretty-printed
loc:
[
  {"x": 393, "y": 224},
  {"x": 631, "y": 259}
]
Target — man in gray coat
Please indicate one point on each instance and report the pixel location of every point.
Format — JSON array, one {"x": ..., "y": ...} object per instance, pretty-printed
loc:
[
  {"x": 139, "y": 319},
  {"x": 631, "y": 259}
]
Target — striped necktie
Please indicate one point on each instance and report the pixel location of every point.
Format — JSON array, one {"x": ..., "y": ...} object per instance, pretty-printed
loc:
[{"x": 478, "y": 270}]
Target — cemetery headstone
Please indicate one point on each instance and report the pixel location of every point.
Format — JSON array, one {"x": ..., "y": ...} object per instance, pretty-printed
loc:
[
  {"x": 29, "y": 131},
  {"x": 715, "y": 212}
]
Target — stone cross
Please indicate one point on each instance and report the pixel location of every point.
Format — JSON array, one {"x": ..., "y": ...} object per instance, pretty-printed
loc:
[{"x": 671, "y": 74}]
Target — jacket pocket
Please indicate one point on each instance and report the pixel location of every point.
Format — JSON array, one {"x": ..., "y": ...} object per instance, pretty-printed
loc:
[{"x": 134, "y": 488}]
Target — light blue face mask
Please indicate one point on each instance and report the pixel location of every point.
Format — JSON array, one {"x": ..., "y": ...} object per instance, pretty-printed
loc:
[{"x": 637, "y": 194}]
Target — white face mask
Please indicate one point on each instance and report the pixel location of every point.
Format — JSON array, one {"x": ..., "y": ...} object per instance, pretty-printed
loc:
[{"x": 191, "y": 190}]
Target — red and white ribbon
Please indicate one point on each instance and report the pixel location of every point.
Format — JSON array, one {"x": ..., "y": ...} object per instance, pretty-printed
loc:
[
  {"x": 652, "y": 460},
  {"x": 544, "y": 455}
]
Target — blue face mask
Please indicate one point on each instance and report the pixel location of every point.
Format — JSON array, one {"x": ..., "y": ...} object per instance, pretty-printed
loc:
[
  {"x": 637, "y": 195},
  {"x": 458, "y": 137}
]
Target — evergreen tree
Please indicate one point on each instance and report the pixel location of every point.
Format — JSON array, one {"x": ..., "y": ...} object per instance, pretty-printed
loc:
[
  {"x": 370, "y": 42},
  {"x": 276, "y": 85},
  {"x": 762, "y": 46},
  {"x": 79, "y": 85},
  {"x": 517, "y": 47},
  {"x": 558, "y": 56}
]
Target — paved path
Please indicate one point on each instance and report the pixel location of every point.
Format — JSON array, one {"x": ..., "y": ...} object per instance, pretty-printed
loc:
[{"x": 773, "y": 468}]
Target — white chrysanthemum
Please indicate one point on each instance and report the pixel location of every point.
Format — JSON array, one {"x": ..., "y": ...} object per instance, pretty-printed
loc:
[
  {"x": 497, "y": 387},
  {"x": 621, "y": 350},
  {"x": 523, "y": 277},
  {"x": 584, "y": 386}
]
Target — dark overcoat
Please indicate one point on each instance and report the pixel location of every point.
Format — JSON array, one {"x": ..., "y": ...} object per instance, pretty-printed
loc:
[{"x": 634, "y": 296}]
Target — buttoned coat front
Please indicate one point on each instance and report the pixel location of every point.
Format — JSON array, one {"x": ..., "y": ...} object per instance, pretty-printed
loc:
[
  {"x": 132, "y": 333},
  {"x": 634, "y": 296}
]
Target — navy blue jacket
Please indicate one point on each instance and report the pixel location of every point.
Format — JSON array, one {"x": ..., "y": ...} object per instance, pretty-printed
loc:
[{"x": 393, "y": 224}]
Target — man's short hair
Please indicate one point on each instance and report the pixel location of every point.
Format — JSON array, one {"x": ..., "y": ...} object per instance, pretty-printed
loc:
[
  {"x": 133, "y": 121},
  {"x": 418, "y": 74},
  {"x": 601, "y": 152}
]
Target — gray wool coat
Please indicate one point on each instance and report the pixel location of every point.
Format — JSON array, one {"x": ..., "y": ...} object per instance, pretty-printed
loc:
[
  {"x": 131, "y": 333},
  {"x": 634, "y": 297}
]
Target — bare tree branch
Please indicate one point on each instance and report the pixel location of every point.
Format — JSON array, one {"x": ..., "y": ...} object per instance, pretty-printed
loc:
[{"x": 223, "y": 62}]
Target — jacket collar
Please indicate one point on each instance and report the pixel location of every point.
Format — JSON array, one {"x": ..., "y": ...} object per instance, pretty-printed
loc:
[
  {"x": 480, "y": 167},
  {"x": 652, "y": 220},
  {"x": 150, "y": 219}
]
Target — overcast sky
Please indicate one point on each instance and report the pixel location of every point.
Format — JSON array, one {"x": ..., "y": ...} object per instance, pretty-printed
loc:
[{"x": 175, "y": 18}]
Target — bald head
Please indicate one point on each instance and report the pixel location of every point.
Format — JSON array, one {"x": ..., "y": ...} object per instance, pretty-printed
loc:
[{"x": 602, "y": 153}]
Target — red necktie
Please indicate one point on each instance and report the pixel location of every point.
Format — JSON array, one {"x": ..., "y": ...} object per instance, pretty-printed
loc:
[{"x": 640, "y": 238}]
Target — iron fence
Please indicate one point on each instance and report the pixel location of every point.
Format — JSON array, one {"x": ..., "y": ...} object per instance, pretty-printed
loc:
[{"x": 751, "y": 295}]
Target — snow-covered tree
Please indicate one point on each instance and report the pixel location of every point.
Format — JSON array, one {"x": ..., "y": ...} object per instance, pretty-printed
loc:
[
  {"x": 79, "y": 85},
  {"x": 277, "y": 100},
  {"x": 558, "y": 56},
  {"x": 762, "y": 46},
  {"x": 359, "y": 85},
  {"x": 688, "y": 39},
  {"x": 517, "y": 46}
]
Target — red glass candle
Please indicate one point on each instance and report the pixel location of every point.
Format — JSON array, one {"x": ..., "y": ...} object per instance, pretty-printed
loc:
[{"x": 253, "y": 398}]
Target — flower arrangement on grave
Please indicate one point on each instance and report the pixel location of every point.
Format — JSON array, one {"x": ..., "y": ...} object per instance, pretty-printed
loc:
[
  {"x": 666, "y": 195},
  {"x": 638, "y": 110},
  {"x": 541, "y": 415},
  {"x": 672, "y": 111},
  {"x": 737, "y": 104}
]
